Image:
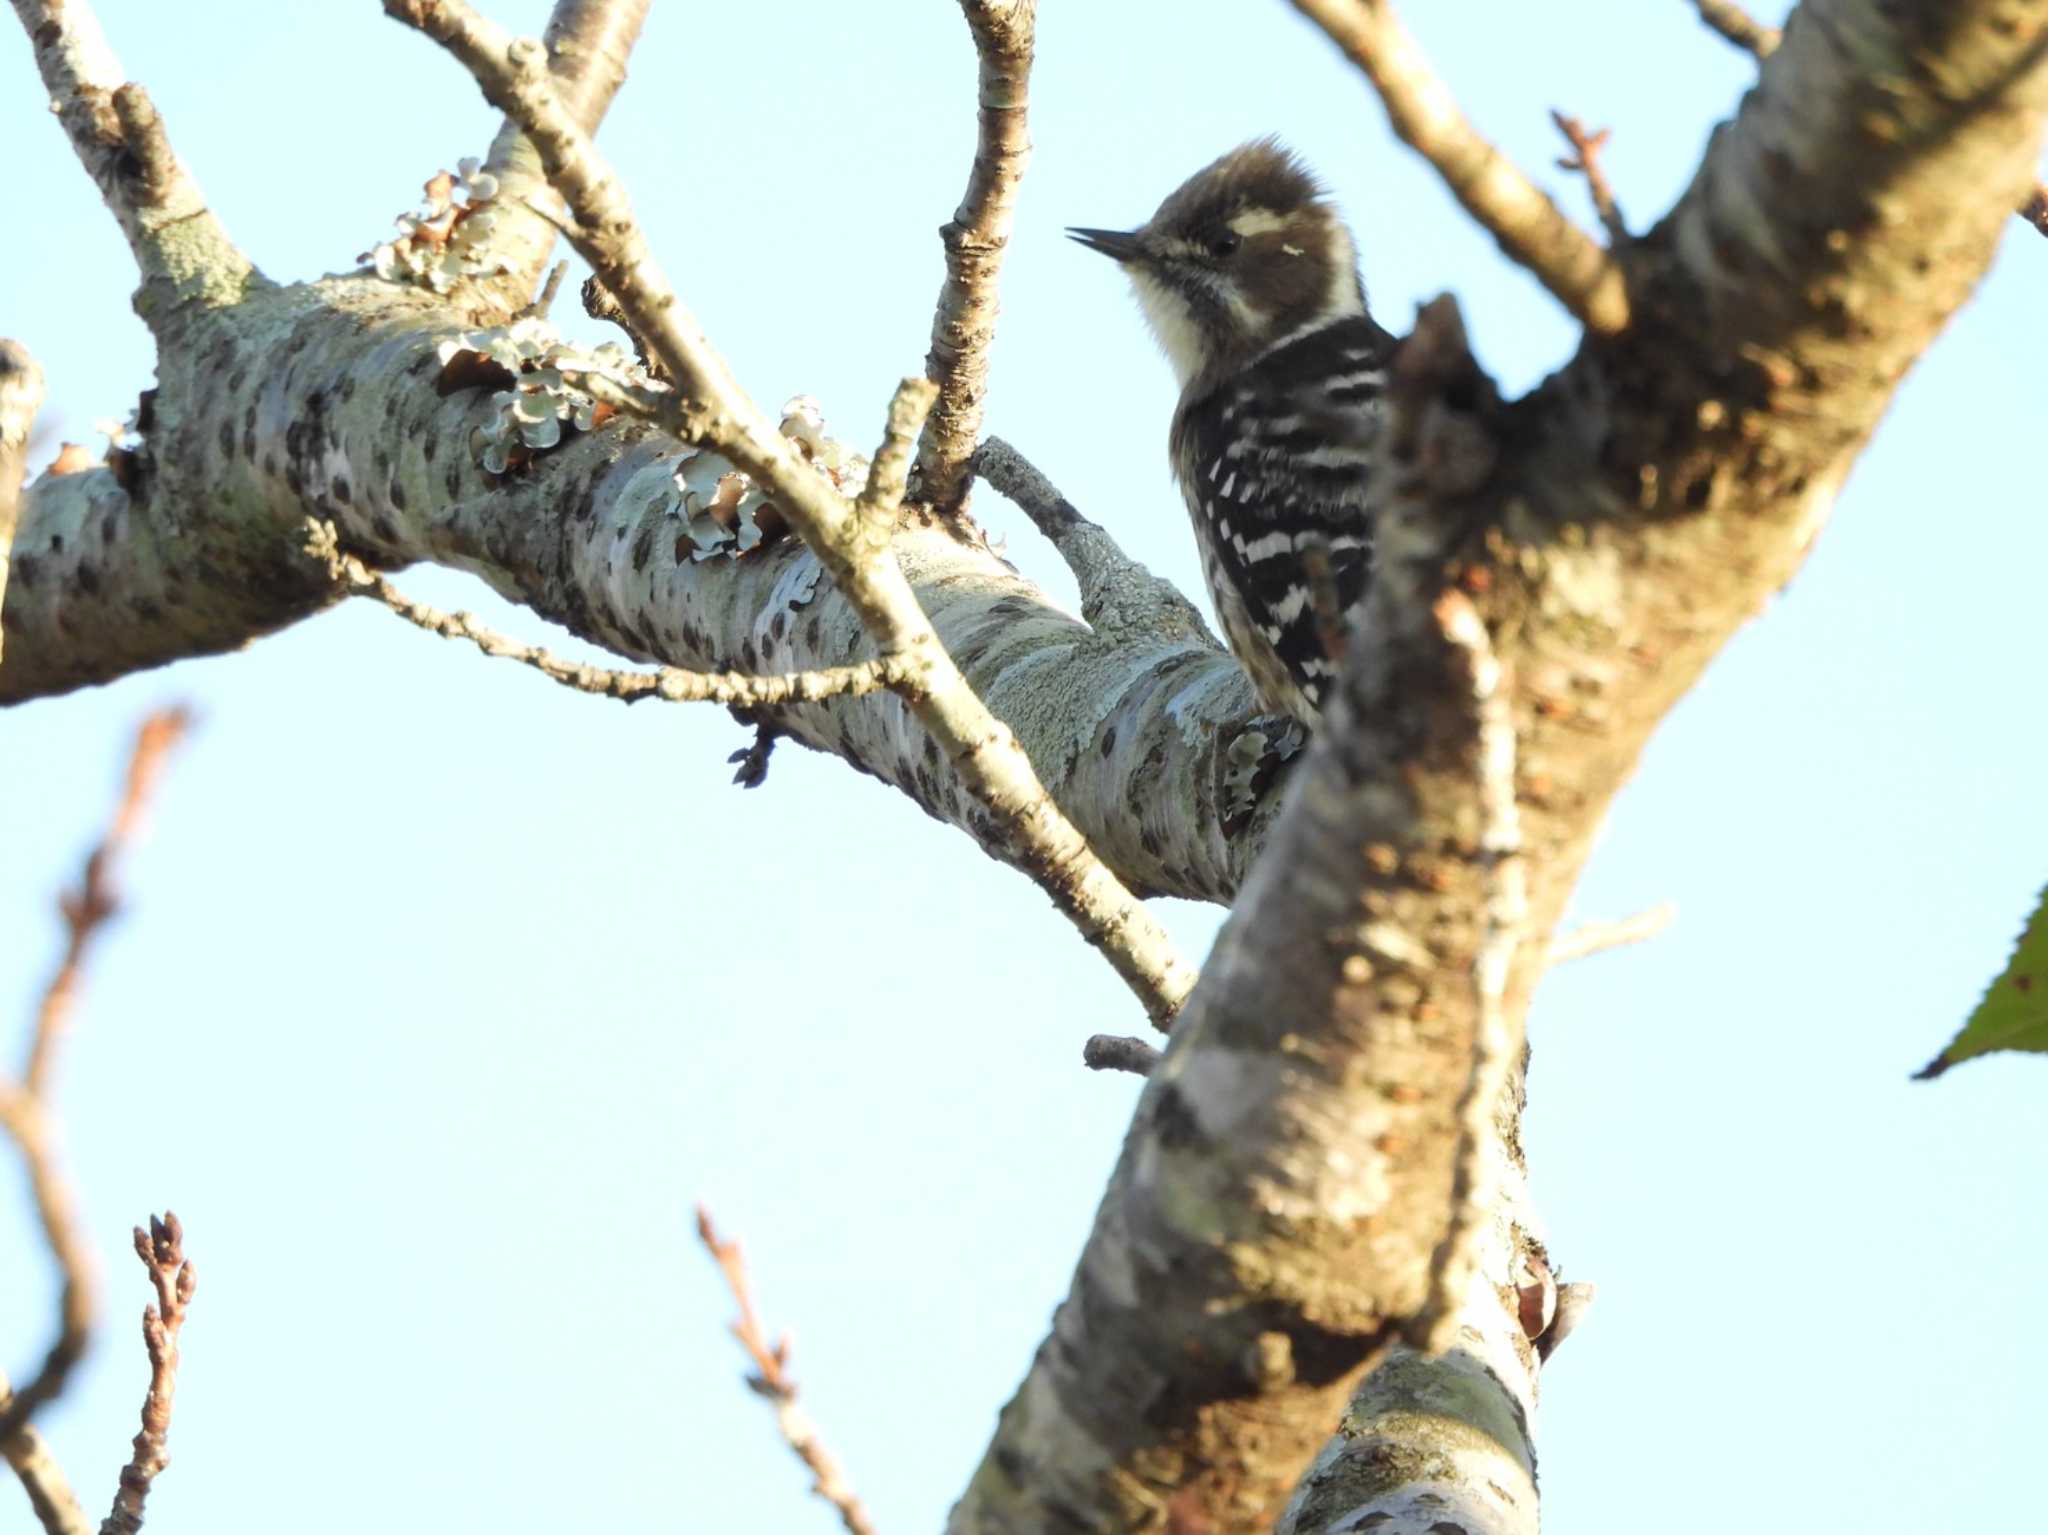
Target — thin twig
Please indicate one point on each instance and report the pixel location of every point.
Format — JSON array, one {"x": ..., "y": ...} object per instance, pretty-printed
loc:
[
  {"x": 1585, "y": 160},
  {"x": 85, "y": 910},
  {"x": 741, "y": 689},
  {"x": 711, "y": 408},
  {"x": 23, "y": 1119},
  {"x": 1599, "y": 937},
  {"x": 544, "y": 300},
  {"x": 771, "y": 1379},
  {"x": 49, "y": 1491},
  {"x": 1585, "y": 278},
  {"x": 975, "y": 238},
  {"x": 162, "y": 1251},
  {"x": 1753, "y": 37},
  {"x": 1119, "y": 1052},
  {"x": 1497, "y": 1043},
  {"x": 889, "y": 470},
  {"x": 25, "y": 1111}
]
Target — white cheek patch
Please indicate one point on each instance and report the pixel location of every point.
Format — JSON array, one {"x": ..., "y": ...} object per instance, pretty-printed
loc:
[
  {"x": 1166, "y": 312},
  {"x": 1345, "y": 297}
]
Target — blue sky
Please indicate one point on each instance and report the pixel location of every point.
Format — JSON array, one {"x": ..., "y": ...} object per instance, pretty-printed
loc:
[{"x": 444, "y": 993}]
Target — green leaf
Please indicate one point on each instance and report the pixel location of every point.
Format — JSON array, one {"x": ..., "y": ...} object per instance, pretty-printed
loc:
[{"x": 2014, "y": 1012}]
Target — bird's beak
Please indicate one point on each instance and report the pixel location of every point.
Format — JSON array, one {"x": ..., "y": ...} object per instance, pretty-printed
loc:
[{"x": 1118, "y": 245}]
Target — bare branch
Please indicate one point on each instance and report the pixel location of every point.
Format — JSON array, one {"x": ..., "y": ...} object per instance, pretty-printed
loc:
[
  {"x": 86, "y": 910},
  {"x": 120, "y": 140},
  {"x": 27, "y": 1124},
  {"x": 1118, "y": 595},
  {"x": 1738, "y": 26},
  {"x": 889, "y": 471},
  {"x": 544, "y": 300},
  {"x": 670, "y": 683},
  {"x": 1585, "y": 160},
  {"x": 1497, "y": 1041},
  {"x": 1119, "y": 1052},
  {"x": 713, "y": 408},
  {"x": 49, "y": 1491},
  {"x": 975, "y": 239},
  {"x": 587, "y": 43},
  {"x": 21, "y": 396},
  {"x": 1527, "y": 224},
  {"x": 25, "y": 1113},
  {"x": 771, "y": 1379},
  {"x": 1598, "y": 937},
  {"x": 162, "y": 1251}
]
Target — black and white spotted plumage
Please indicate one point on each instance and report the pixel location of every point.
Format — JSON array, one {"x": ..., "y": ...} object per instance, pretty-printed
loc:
[
  {"x": 1250, "y": 281},
  {"x": 1275, "y": 464}
]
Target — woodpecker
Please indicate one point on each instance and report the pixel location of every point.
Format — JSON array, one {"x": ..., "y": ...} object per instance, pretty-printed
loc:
[{"x": 1249, "y": 281}]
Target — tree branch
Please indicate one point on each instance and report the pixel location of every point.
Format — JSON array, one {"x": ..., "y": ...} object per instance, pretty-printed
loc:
[
  {"x": 852, "y": 545},
  {"x": 1282, "y": 1186},
  {"x": 771, "y": 1379},
  {"x": 1585, "y": 160},
  {"x": 739, "y": 689},
  {"x": 26, "y": 1112},
  {"x": 1507, "y": 205},
  {"x": 1736, "y": 25},
  {"x": 1119, "y": 1052},
  {"x": 975, "y": 239},
  {"x": 1497, "y": 1036},
  {"x": 50, "y": 1496},
  {"x": 162, "y": 1251},
  {"x": 1598, "y": 937},
  {"x": 587, "y": 43},
  {"x": 1119, "y": 596},
  {"x": 181, "y": 248}
]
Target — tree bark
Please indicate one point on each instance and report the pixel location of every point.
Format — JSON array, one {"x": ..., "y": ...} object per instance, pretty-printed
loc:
[{"x": 1272, "y": 1229}]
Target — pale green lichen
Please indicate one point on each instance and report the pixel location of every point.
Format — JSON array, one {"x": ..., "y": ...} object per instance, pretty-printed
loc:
[{"x": 446, "y": 238}]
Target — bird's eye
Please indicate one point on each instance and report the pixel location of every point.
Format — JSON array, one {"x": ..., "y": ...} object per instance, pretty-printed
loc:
[{"x": 1224, "y": 242}]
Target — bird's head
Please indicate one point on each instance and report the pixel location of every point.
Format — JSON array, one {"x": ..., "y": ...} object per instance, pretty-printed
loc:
[{"x": 1246, "y": 253}]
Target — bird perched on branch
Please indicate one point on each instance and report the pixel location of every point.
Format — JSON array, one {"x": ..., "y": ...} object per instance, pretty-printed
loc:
[{"x": 1249, "y": 280}]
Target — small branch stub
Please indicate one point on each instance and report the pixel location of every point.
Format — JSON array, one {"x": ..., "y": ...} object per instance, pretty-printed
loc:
[{"x": 1119, "y": 1052}]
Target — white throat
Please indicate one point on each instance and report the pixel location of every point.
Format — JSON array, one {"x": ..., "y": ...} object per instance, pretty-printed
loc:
[{"x": 1166, "y": 312}]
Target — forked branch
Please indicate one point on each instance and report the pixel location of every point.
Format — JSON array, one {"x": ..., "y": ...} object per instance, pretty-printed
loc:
[
  {"x": 121, "y": 141},
  {"x": 25, "y": 1106},
  {"x": 853, "y": 545},
  {"x": 1531, "y": 228}
]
